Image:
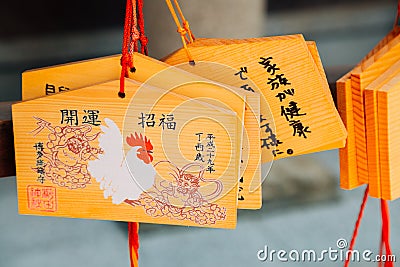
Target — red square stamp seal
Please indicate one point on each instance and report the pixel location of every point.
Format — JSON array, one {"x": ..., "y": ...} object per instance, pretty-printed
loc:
[{"x": 42, "y": 198}]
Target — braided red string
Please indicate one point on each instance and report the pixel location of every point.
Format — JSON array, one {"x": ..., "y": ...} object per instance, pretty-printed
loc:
[
  {"x": 130, "y": 40},
  {"x": 129, "y": 45},
  {"x": 142, "y": 37},
  {"x": 381, "y": 248},
  {"x": 126, "y": 58},
  {"x": 357, "y": 226},
  {"x": 385, "y": 238},
  {"x": 396, "y": 22},
  {"x": 386, "y": 232},
  {"x": 134, "y": 31},
  {"x": 133, "y": 240}
]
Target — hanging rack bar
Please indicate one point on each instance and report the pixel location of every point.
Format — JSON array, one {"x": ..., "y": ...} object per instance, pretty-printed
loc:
[{"x": 7, "y": 156}]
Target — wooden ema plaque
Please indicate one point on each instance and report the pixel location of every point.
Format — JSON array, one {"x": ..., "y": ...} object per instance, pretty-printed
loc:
[
  {"x": 233, "y": 99},
  {"x": 347, "y": 155},
  {"x": 388, "y": 97},
  {"x": 127, "y": 159},
  {"x": 62, "y": 78},
  {"x": 287, "y": 76},
  {"x": 360, "y": 78},
  {"x": 371, "y": 123},
  {"x": 348, "y": 159},
  {"x": 350, "y": 168},
  {"x": 35, "y": 83}
]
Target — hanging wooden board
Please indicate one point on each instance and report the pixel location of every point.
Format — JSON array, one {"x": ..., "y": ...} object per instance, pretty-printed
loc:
[
  {"x": 311, "y": 45},
  {"x": 228, "y": 79},
  {"x": 389, "y": 139},
  {"x": 371, "y": 122},
  {"x": 348, "y": 158},
  {"x": 285, "y": 73},
  {"x": 35, "y": 82},
  {"x": 361, "y": 77},
  {"x": 239, "y": 101},
  {"x": 313, "y": 52},
  {"x": 76, "y": 156},
  {"x": 347, "y": 155},
  {"x": 48, "y": 81}
]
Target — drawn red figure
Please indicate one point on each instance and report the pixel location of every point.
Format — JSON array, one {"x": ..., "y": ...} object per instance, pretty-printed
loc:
[
  {"x": 66, "y": 153},
  {"x": 145, "y": 147}
]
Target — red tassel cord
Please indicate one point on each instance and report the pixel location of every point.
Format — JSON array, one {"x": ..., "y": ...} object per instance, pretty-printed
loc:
[
  {"x": 133, "y": 240},
  {"x": 129, "y": 44},
  {"x": 385, "y": 238},
  {"x": 142, "y": 36},
  {"x": 357, "y": 226},
  {"x": 385, "y": 241},
  {"x": 126, "y": 58}
]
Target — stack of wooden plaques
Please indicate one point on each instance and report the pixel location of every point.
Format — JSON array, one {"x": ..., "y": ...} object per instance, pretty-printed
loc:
[
  {"x": 187, "y": 144},
  {"x": 367, "y": 104}
]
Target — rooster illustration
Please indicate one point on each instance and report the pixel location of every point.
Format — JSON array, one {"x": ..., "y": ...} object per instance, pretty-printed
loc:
[{"x": 123, "y": 177}]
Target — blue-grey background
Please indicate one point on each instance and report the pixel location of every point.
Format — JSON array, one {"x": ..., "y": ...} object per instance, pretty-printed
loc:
[{"x": 304, "y": 207}]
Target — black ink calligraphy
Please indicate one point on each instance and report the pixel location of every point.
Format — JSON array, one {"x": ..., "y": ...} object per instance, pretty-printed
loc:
[{"x": 40, "y": 165}]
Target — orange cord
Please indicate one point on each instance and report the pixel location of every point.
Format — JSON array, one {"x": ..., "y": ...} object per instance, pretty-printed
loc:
[
  {"x": 185, "y": 23},
  {"x": 184, "y": 29}
]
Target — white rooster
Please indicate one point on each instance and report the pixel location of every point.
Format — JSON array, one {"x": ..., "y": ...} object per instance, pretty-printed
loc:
[{"x": 123, "y": 177}]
